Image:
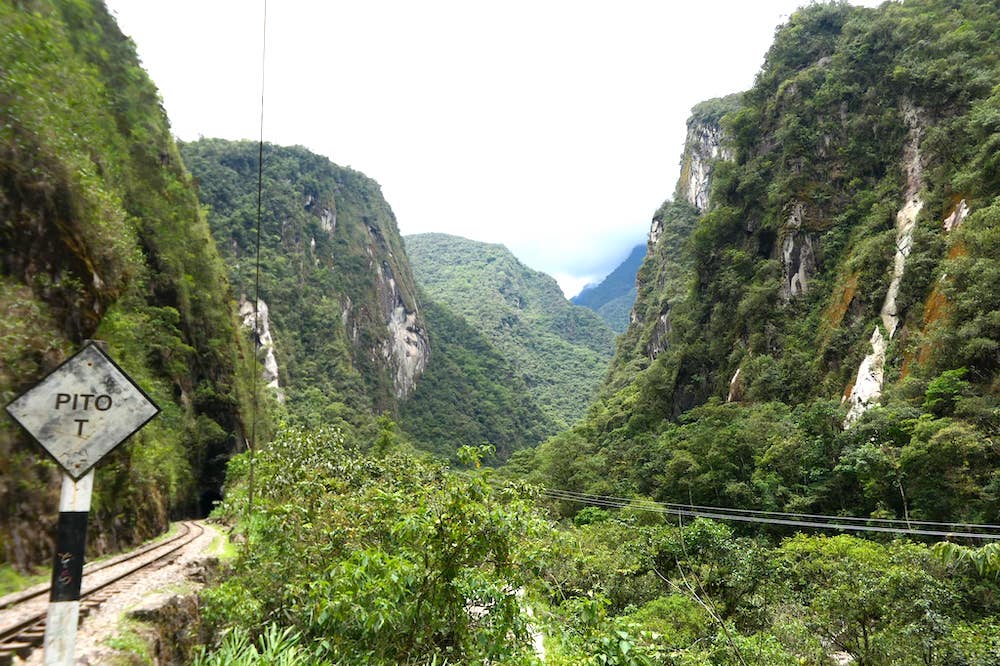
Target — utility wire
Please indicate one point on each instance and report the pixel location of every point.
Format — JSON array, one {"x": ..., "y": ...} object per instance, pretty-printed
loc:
[
  {"x": 780, "y": 514},
  {"x": 256, "y": 294},
  {"x": 719, "y": 513}
]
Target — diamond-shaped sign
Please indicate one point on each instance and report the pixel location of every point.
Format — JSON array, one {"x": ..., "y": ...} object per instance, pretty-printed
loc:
[{"x": 83, "y": 409}]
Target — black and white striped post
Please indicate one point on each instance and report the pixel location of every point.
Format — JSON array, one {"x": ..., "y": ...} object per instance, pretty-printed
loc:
[
  {"x": 67, "y": 569},
  {"x": 80, "y": 412}
]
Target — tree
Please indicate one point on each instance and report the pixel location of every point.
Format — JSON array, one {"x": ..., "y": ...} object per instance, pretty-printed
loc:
[
  {"x": 383, "y": 559},
  {"x": 881, "y": 604}
]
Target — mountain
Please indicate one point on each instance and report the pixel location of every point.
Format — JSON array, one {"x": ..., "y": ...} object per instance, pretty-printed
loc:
[
  {"x": 103, "y": 238},
  {"x": 559, "y": 350},
  {"x": 815, "y": 327},
  {"x": 338, "y": 305},
  {"x": 470, "y": 394},
  {"x": 664, "y": 278},
  {"x": 614, "y": 296},
  {"x": 345, "y": 337}
]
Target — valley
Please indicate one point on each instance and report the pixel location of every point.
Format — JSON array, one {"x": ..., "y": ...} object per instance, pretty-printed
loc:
[{"x": 770, "y": 436}]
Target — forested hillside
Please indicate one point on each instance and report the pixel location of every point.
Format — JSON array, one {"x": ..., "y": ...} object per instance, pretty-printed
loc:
[
  {"x": 819, "y": 334},
  {"x": 471, "y": 394},
  {"x": 346, "y": 338},
  {"x": 102, "y": 237},
  {"x": 815, "y": 332},
  {"x": 559, "y": 350},
  {"x": 815, "y": 341},
  {"x": 614, "y": 296}
]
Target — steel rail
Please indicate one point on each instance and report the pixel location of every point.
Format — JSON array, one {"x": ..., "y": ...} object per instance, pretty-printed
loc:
[
  {"x": 12, "y": 600},
  {"x": 23, "y": 636}
]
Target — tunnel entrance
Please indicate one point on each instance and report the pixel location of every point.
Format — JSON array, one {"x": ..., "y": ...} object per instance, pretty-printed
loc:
[{"x": 207, "y": 501}]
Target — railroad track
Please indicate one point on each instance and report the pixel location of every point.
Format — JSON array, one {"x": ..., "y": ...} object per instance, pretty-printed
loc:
[{"x": 22, "y": 615}]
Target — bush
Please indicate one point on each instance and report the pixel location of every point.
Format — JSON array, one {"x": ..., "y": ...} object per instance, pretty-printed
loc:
[{"x": 386, "y": 560}]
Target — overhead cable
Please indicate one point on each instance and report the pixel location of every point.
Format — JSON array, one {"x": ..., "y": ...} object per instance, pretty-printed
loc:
[
  {"x": 780, "y": 514},
  {"x": 252, "y": 444},
  {"x": 771, "y": 518}
]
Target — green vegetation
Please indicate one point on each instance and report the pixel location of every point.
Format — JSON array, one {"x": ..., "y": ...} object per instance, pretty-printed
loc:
[
  {"x": 470, "y": 394},
  {"x": 332, "y": 270},
  {"x": 12, "y": 580},
  {"x": 389, "y": 559},
  {"x": 821, "y": 132},
  {"x": 661, "y": 283},
  {"x": 377, "y": 558},
  {"x": 277, "y": 647},
  {"x": 824, "y": 127},
  {"x": 726, "y": 390},
  {"x": 103, "y": 237},
  {"x": 561, "y": 351},
  {"x": 895, "y": 461},
  {"x": 628, "y": 591},
  {"x": 614, "y": 296},
  {"x": 129, "y": 645}
]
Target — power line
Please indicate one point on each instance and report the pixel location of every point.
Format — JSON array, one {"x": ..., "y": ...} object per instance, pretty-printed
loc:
[
  {"x": 739, "y": 515},
  {"x": 721, "y": 514},
  {"x": 256, "y": 295},
  {"x": 780, "y": 514}
]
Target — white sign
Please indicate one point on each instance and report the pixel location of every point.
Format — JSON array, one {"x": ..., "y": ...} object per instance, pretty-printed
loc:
[{"x": 83, "y": 409}]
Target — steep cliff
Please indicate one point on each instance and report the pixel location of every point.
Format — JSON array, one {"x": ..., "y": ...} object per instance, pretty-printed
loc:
[
  {"x": 663, "y": 278},
  {"x": 819, "y": 331},
  {"x": 102, "y": 237},
  {"x": 704, "y": 146},
  {"x": 347, "y": 336}
]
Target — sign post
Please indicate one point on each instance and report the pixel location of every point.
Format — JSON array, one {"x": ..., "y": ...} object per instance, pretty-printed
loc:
[{"x": 80, "y": 412}]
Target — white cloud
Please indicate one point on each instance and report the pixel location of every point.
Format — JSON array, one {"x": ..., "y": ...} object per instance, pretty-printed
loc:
[
  {"x": 572, "y": 285},
  {"x": 552, "y": 127}
]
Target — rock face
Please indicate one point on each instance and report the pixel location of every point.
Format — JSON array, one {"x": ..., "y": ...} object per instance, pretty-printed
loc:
[
  {"x": 797, "y": 255},
  {"x": 662, "y": 279},
  {"x": 808, "y": 239},
  {"x": 261, "y": 330},
  {"x": 661, "y": 282},
  {"x": 704, "y": 146},
  {"x": 954, "y": 221},
  {"x": 102, "y": 236},
  {"x": 659, "y": 339},
  {"x": 906, "y": 218},
  {"x": 868, "y": 384},
  {"x": 735, "y": 387},
  {"x": 334, "y": 273},
  {"x": 705, "y": 143},
  {"x": 871, "y": 374},
  {"x": 406, "y": 348},
  {"x": 171, "y": 625}
]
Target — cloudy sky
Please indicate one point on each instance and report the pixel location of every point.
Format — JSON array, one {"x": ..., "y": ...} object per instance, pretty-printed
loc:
[{"x": 554, "y": 127}]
